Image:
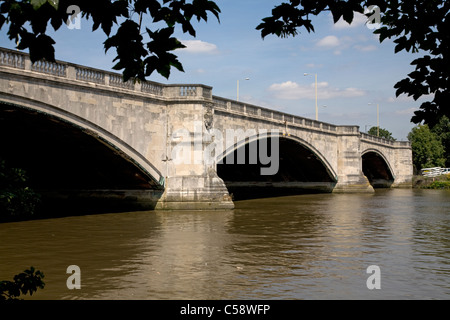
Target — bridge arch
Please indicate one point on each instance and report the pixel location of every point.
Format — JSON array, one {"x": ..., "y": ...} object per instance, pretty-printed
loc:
[
  {"x": 64, "y": 154},
  {"x": 301, "y": 168},
  {"x": 377, "y": 168}
]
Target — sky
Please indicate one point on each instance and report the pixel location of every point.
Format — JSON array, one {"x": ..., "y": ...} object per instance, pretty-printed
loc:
[{"x": 355, "y": 73}]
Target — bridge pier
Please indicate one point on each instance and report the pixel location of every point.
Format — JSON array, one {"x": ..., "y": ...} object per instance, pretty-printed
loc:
[
  {"x": 349, "y": 163},
  {"x": 353, "y": 184},
  {"x": 195, "y": 193},
  {"x": 161, "y": 136},
  {"x": 191, "y": 181}
]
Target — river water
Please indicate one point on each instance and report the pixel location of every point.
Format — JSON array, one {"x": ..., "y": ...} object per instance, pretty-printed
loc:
[{"x": 298, "y": 247}]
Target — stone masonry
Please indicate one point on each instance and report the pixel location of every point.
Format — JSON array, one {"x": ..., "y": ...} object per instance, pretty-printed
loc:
[{"x": 142, "y": 120}]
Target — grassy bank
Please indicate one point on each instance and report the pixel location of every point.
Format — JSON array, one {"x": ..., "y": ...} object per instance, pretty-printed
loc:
[{"x": 441, "y": 182}]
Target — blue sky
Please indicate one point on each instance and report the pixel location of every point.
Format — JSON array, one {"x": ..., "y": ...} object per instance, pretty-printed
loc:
[{"x": 353, "y": 68}]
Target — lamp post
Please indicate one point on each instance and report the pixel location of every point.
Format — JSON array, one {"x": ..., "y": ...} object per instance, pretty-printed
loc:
[
  {"x": 317, "y": 109},
  {"x": 237, "y": 89},
  {"x": 378, "y": 118}
]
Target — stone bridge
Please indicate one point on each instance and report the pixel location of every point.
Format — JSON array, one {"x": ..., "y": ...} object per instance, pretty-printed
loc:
[{"x": 84, "y": 134}]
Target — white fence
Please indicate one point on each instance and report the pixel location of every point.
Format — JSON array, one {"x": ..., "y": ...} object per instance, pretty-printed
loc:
[{"x": 434, "y": 172}]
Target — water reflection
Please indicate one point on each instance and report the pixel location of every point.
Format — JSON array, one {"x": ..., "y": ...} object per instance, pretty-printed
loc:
[{"x": 299, "y": 247}]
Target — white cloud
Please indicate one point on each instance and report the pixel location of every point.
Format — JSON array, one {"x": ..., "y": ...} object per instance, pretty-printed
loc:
[
  {"x": 290, "y": 90},
  {"x": 313, "y": 65},
  {"x": 402, "y": 98},
  {"x": 359, "y": 19},
  {"x": 198, "y": 46},
  {"x": 405, "y": 98},
  {"x": 329, "y": 42},
  {"x": 367, "y": 48},
  {"x": 339, "y": 44},
  {"x": 409, "y": 111}
]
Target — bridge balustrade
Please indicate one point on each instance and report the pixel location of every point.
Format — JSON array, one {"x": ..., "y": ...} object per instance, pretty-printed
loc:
[
  {"x": 56, "y": 69},
  {"x": 383, "y": 141},
  {"x": 151, "y": 87},
  {"x": 19, "y": 60},
  {"x": 90, "y": 75},
  {"x": 12, "y": 59},
  {"x": 272, "y": 115}
]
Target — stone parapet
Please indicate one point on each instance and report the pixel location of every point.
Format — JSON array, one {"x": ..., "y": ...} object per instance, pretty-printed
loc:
[{"x": 147, "y": 121}]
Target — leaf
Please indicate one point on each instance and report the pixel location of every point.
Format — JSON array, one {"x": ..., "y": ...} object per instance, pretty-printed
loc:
[
  {"x": 401, "y": 44},
  {"x": 348, "y": 16},
  {"x": 56, "y": 22},
  {"x": 143, "y": 5},
  {"x": 130, "y": 50},
  {"x": 105, "y": 14},
  {"x": 383, "y": 32},
  {"x": 54, "y": 3},
  {"x": 160, "y": 58},
  {"x": 2, "y": 20},
  {"x": 336, "y": 10},
  {"x": 37, "y": 3},
  {"x": 201, "y": 7}
]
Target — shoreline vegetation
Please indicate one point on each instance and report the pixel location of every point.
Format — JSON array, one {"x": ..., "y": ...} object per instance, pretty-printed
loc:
[
  {"x": 17, "y": 200},
  {"x": 437, "y": 183}
]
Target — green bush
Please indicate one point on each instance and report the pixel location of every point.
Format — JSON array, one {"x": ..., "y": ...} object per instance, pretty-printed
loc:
[
  {"x": 439, "y": 185},
  {"x": 16, "y": 199}
]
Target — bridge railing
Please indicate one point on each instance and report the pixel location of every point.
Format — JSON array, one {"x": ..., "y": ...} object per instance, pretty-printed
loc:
[
  {"x": 233, "y": 106},
  {"x": 371, "y": 138},
  {"x": 287, "y": 119},
  {"x": 20, "y": 60},
  {"x": 435, "y": 172},
  {"x": 14, "y": 59},
  {"x": 73, "y": 72}
]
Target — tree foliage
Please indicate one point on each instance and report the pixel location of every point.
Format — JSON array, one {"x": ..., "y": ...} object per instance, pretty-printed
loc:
[
  {"x": 382, "y": 133},
  {"x": 137, "y": 57},
  {"x": 26, "y": 282},
  {"x": 414, "y": 25},
  {"x": 427, "y": 148},
  {"x": 16, "y": 199},
  {"x": 442, "y": 130}
]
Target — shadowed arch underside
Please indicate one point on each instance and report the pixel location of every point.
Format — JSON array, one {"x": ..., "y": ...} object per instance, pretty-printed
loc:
[
  {"x": 300, "y": 170},
  {"x": 72, "y": 167},
  {"x": 377, "y": 170}
]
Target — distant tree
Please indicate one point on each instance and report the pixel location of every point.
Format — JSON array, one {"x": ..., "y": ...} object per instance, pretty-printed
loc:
[
  {"x": 25, "y": 282},
  {"x": 427, "y": 148},
  {"x": 383, "y": 133},
  {"x": 442, "y": 130}
]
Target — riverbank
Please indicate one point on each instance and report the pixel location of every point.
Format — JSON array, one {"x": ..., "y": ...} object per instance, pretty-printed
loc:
[{"x": 440, "y": 182}]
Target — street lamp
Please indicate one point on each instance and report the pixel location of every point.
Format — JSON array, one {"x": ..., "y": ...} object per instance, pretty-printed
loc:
[
  {"x": 378, "y": 118},
  {"x": 317, "y": 109},
  {"x": 237, "y": 90}
]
